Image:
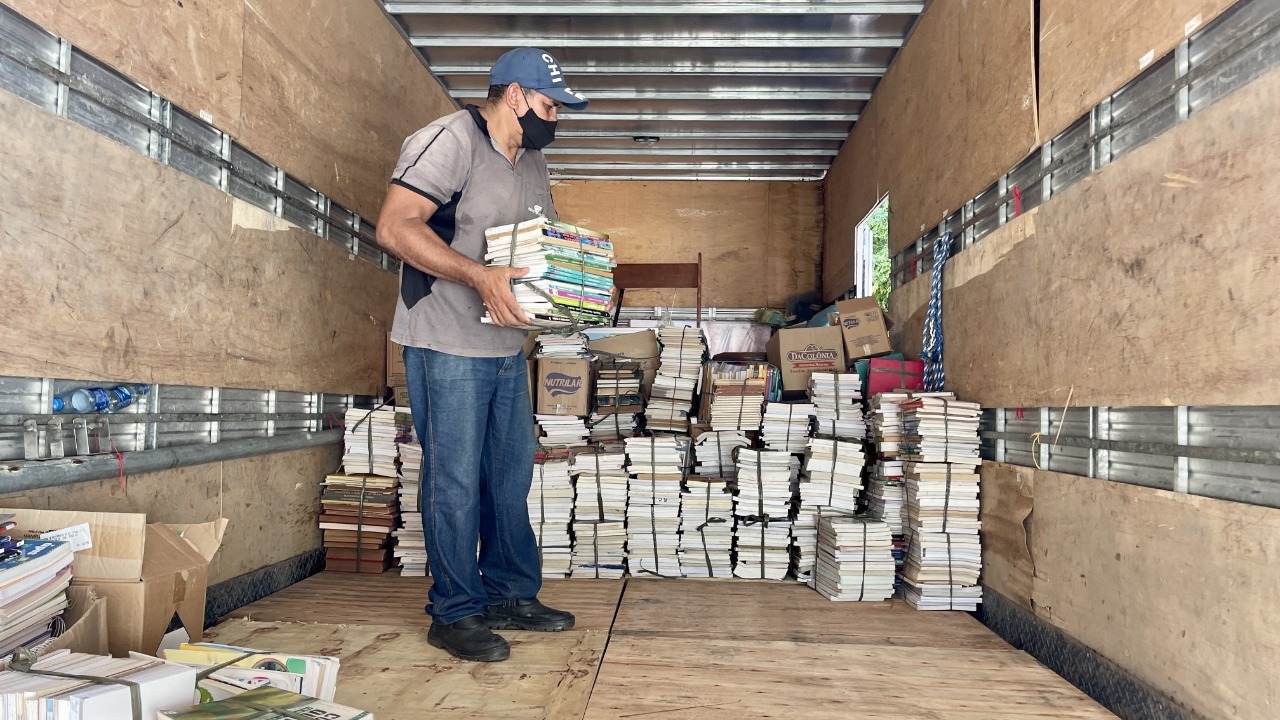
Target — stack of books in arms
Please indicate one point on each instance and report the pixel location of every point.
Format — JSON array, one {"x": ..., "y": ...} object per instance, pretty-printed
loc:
[
  {"x": 762, "y": 506},
  {"x": 34, "y": 575},
  {"x": 358, "y": 514},
  {"x": 161, "y": 686},
  {"x": 599, "y": 513},
  {"x": 679, "y": 374},
  {"x": 410, "y": 542},
  {"x": 656, "y": 466},
  {"x": 370, "y": 442},
  {"x": 570, "y": 271},
  {"x": 837, "y": 399},
  {"x": 247, "y": 669},
  {"x": 551, "y": 510},
  {"x": 734, "y": 394}
]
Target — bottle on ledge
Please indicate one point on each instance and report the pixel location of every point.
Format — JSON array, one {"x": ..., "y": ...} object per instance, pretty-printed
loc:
[{"x": 99, "y": 400}]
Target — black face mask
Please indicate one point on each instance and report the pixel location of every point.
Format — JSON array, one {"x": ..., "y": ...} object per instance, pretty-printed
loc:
[{"x": 538, "y": 133}]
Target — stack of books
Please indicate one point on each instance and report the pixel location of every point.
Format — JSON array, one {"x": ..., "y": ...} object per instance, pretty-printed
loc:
[
  {"x": 734, "y": 394},
  {"x": 940, "y": 452},
  {"x": 599, "y": 513},
  {"x": 837, "y": 398},
  {"x": 410, "y": 540},
  {"x": 706, "y": 549},
  {"x": 619, "y": 399},
  {"x": 313, "y": 675},
  {"x": 886, "y": 494},
  {"x": 551, "y": 511},
  {"x": 785, "y": 427},
  {"x": 161, "y": 687},
  {"x": 679, "y": 373},
  {"x": 552, "y": 345},
  {"x": 570, "y": 271},
  {"x": 370, "y": 442},
  {"x": 832, "y": 476},
  {"x": 884, "y": 422},
  {"x": 358, "y": 514},
  {"x": 599, "y": 549},
  {"x": 34, "y": 575},
  {"x": 561, "y": 430},
  {"x": 714, "y": 453},
  {"x": 762, "y": 508},
  {"x": 656, "y": 466},
  {"x": 281, "y": 705},
  {"x": 855, "y": 559}
]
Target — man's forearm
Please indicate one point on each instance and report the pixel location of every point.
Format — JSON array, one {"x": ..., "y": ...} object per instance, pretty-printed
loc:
[{"x": 420, "y": 246}]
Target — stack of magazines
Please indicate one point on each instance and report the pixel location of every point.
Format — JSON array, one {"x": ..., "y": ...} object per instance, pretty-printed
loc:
[{"x": 569, "y": 282}]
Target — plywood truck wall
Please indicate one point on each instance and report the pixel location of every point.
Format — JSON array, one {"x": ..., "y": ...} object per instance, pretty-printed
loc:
[{"x": 1149, "y": 283}]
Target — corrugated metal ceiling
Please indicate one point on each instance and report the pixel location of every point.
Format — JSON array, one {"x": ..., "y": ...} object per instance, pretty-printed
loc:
[{"x": 733, "y": 89}]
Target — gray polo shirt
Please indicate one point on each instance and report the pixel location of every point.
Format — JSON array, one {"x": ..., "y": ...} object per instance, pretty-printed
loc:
[{"x": 458, "y": 166}]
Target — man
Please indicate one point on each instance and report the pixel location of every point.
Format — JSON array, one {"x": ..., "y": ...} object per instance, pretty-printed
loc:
[{"x": 468, "y": 385}]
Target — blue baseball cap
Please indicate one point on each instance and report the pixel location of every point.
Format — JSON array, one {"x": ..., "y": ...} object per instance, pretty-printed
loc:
[{"x": 535, "y": 69}]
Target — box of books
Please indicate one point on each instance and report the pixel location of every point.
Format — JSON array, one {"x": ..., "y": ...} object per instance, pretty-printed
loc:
[
  {"x": 863, "y": 327},
  {"x": 564, "y": 386},
  {"x": 800, "y": 352}
]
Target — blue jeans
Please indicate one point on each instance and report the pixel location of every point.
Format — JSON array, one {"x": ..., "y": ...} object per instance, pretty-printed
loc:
[{"x": 475, "y": 423}]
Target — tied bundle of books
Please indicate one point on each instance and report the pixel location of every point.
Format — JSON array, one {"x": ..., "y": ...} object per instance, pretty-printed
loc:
[
  {"x": 268, "y": 704},
  {"x": 832, "y": 476},
  {"x": 551, "y": 510},
  {"x": 370, "y": 442},
  {"x": 234, "y": 670},
  {"x": 357, "y": 516},
  {"x": 677, "y": 380},
  {"x": 938, "y": 428},
  {"x": 837, "y": 400},
  {"x": 884, "y": 422},
  {"x": 941, "y": 571},
  {"x": 619, "y": 398},
  {"x": 556, "y": 345},
  {"x": 785, "y": 427},
  {"x": 734, "y": 394},
  {"x": 34, "y": 575},
  {"x": 714, "y": 453},
  {"x": 161, "y": 687},
  {"x": 656, "y": 466},
  {"x": 561, "y": 430},
  {"x": 599, "y": 513},
  {"x": 762, "y": 507},
  {"x": 942, "y": 498},
  {"x": 886, "y": 494},
  {"x": 855, "y": 559},
  {"x": 706, "y": 550},
  {"x": 569, "y": 282},
  {"x": 410, "y": 540}
]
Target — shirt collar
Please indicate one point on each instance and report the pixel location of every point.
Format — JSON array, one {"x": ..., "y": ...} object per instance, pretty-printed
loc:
[{"x": 484, "y": 128}]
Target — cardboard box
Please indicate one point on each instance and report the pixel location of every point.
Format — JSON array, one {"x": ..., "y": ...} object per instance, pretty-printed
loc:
[
  {"x": 865, "y": 332},
  {"x": 401, "y": 396},
  {"x": 86, "y": 621},
  {"x": 640, "y": 347},
  {"x": 146, "y": 572},
  {"x": 800, "y": 352},
  {"x": 886, "y": 375},
  {"x": 396, "y": 376},
  {"x": 564, "y": 386}
]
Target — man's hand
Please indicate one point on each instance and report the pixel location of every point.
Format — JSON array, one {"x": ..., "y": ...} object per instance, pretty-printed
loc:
[{"x": 494, "y": 286}]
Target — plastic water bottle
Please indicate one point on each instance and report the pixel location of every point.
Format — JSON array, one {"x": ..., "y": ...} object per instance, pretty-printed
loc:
[{"x": 99, "y": 400}]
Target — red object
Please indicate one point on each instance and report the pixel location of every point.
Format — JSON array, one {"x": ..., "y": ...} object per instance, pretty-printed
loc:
[
  {"x": 1017, "y": 201},
  {"x": 889, "y": 375}
]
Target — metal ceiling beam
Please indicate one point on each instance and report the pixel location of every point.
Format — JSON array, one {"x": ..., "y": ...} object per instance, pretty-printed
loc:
[
  {"x": 703, "y": 135},
  {"x": 587, "y": 116},
  {"x": 564, "y": 7},
  {"x": 695, "y": 95},
  {"x": 790, "y": 70},
  {"x": 645, "y": 150},
  {"x": 768, "y": 42},
  {"x": 685, "y": 166}
]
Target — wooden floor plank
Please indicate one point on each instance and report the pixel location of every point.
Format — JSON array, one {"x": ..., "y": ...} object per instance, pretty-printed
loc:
[
  {"x": 338, "y": 598},
  {"x": 696, "y": 678},
  {"x": 754, "y": 610},
  {"x": 390, "y": 670}
]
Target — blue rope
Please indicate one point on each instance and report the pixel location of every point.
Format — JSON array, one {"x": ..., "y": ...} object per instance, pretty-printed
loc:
[{"x": 934, "y": 375}]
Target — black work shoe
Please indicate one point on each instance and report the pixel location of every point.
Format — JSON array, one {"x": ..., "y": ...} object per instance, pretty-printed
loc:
[
  {"x": 527, "y": 615},
  {"x": 469, "y": 639}
]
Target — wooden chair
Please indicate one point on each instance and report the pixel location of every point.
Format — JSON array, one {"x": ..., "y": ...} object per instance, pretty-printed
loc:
[{"x": 658, "y": 276}]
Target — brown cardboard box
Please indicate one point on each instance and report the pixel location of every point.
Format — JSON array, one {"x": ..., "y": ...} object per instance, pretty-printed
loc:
[
  {"x": 640, "y": 347},
  {"x": 145, "y": 571},
  {"x": 799, "y": 352},
  {"x": 564, "y": 386},
  {"x": 400, "y": 396},
  {"x": 395, "y": 364},
  {"x": 865, "y": 333},
  {"x": 86, "y": 620}
]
